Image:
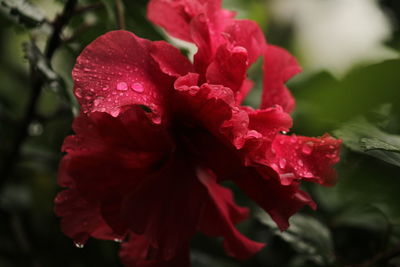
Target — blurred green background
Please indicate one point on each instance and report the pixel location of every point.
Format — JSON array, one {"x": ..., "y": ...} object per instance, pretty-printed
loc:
[{"x": 350, "y": 87}]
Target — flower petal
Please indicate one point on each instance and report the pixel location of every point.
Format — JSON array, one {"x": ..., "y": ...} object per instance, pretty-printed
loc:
[
  {"x": 279, "y": 66},
  {"x": 220, "y": 216},
  {"x": 306, "y": 158},
  {"x": 138, "y": 252},
  {"x": 247, "y": 34},
  {"x": 279, "y": 201},
  {"x": 108, "y": 157},
  {"x": 81, "y": 219},
  {"x": 228, "y": 68},
  {"x": 170, "y": 60},
  {"x": 117, "y": 70},
  {"x": 166, "y": 207}
]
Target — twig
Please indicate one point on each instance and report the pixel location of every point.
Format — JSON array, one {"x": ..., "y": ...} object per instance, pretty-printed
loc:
[
  {"x": 119, "y": 10},
  {"x": 86, "y": 8},
  {"x": 382, "y": 257}
]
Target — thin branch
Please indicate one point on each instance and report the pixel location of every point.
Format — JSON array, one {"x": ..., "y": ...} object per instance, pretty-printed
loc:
[
  {"x": 383, "y": 257},
  {"x": 119, "y": 10},
  {"x": 89, "y": 7}
]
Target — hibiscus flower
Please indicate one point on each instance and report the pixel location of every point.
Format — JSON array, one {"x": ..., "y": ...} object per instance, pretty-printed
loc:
[{"x": 158, "y": 135}]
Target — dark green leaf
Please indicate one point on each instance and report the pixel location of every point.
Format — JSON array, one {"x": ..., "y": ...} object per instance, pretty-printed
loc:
[
  {"x": 362, "y": 136},
  {"x": 306, "y": 235},
  {"x": 324, "y": 101}
]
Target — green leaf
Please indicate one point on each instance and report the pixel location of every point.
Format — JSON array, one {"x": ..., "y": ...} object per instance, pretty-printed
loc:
[
  {"x": 306, "y": 235},
  {"x": 362, "y": 136},
  {"x": 324, "y": 101},
  {"x": 23, "y": 12}
]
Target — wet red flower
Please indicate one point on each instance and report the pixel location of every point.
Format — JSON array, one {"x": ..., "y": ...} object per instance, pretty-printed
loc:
[{"x": 157, "y": 136}]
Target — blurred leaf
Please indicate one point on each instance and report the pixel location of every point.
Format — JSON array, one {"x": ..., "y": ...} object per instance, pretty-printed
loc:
[
  {"x": 110, "y": 8},
  {"x": 22, "y": 11},
  {"x": 306, "y": 235},
  {"x": 324, "y": 101},
  {"x": 362, "y": 136}
]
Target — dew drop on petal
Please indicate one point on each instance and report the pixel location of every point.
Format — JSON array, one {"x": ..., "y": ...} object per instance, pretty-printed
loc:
[
  {"x": 122, "y": 86},
  {"x": 137, "y": 87},
  {"x": 118, "y": 240},
  {"x": 300, "y": 162},
  {"x": 306, "y": 149},
  {"x": 105, "y": 88},
  {"x": 282, "y": 163},
  {"x": 114, "y": 112},
  {"x": 78, "y": 92},
  {"x": 98, "y": 101},
  {"x": 287, "y": 178}
]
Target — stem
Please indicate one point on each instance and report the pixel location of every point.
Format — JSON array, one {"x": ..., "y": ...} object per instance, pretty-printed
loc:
[
  {"x": 119, "y": 9},
  {"x": 382, "y": 257}
]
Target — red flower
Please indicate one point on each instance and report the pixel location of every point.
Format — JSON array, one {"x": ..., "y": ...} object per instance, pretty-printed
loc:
[{"x": 157, "y": 135}]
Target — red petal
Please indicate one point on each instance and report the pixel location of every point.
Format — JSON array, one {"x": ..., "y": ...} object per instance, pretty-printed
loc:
[
  {"x": 138, "y": 252},
  {"x": 228, "y": 68},
  {"x": 166, "y": 208},
  {"x": 80, "y": 219},
  {"x": 170, "y": 60},
  {"x": 220, "y": 216},
  {"x": 279, "y": 66},
  {"x": 105, "y": 147},
  {"x": 247, "y": 34},
  {"x": 307, "y": 158},
  {"x": 117, "y": 70},
  {"x": 173, "y": 16},
  {"x": 279, "y": 201}
]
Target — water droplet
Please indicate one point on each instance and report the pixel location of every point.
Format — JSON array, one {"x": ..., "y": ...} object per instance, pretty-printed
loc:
[
  {"x": 122, "y": 86},
  {"x": 282, "y": 163},
  {"x": 35, "y": 129},
  {"x": 118, "y": 240},
  {"x": 137, "y": 87},
  {"x": 105, "y": 88},
  {"x": 300, "y": 162},
  {"x": 284, "y": 132},
  {"x": 114, "y": 112},
  {"x": 78, "y": 244},
  {"x": 287, "y": 178},
  {"x": 98, "y": 101},
  {"x": 78, "y": 92},
  {"x": 306, "y": 149}
]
